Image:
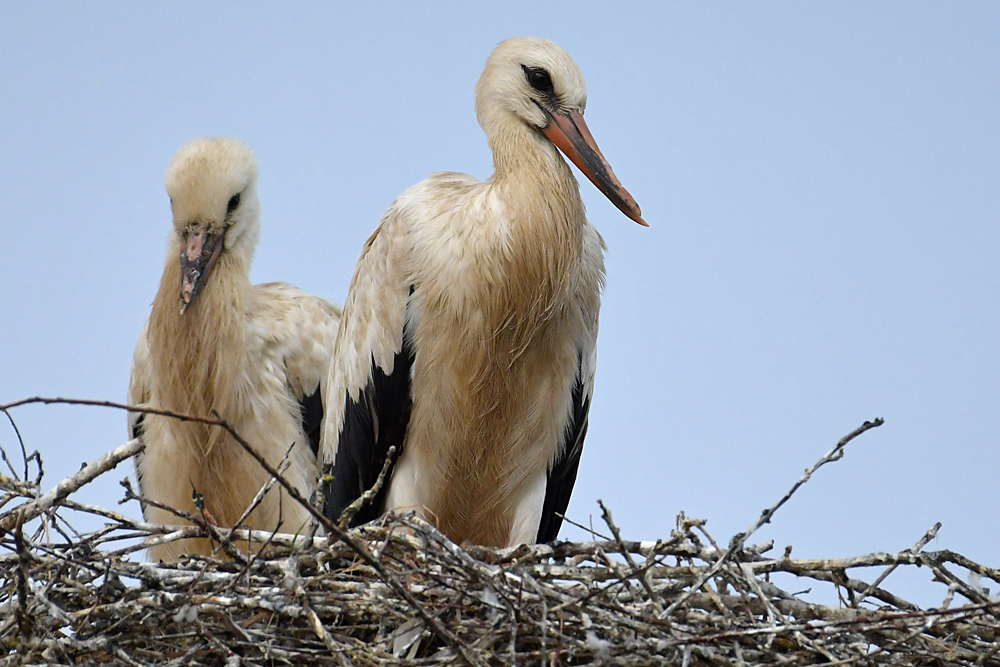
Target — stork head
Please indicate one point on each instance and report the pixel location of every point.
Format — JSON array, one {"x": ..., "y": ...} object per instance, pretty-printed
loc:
[
  {"x": 534, "y": 82},
  {"x": 212, "y": 183}
]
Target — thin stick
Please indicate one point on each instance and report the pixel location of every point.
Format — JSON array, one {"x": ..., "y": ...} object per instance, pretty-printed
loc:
[
  {"x": 368, "y": 496},
  {"x": 257, "y": 499},
  {"x": 653, "y": 595},
  {"x": 739, "y": 539},
  {"x": 589, "y": 529},
  {"x": 20, "y": 441},
  {"x": 72, "y": 483},
  {"x": 921, "y": 543}
]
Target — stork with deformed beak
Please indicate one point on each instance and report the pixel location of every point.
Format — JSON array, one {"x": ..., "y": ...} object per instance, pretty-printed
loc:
[
  {"x": 468, "y": 339},
  {"x": 255, "y": 354}
]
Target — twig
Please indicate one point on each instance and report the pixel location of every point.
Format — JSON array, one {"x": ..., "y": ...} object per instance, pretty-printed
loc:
[
  {"x": 653, "y": 595},
  {"x": 368, "y": 496},
  {"x": 20, "y": 441},
  {"x": 588, "y": 529},
  {"x": 921, "y": 543},
  {"x": 208, "y": 528},
  {"x": 23, "y": 619},
  {"x": 259, "y": 497},
  {"x": 253, "y": 559},
  {"x": 989, "y": 654},
  {"x": 739, "y": 539},
  {"x": 72, "y": 483},
  {"x": 885, "y": 649},
  {"x": 945, "y": 576}
]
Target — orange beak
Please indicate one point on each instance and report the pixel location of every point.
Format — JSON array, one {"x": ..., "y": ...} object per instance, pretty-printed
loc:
[
  {"x": 200, "y": 252},
  {"x": 571, "y": 135}
]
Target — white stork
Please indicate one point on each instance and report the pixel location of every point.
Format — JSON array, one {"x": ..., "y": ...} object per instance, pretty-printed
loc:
[
  {"x": 468, "y": 338},
  {"x": 214, "y": 341}
]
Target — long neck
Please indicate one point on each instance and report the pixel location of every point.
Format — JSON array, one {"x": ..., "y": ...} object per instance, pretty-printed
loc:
[
  {"x": 198, "y": 356},
  {"x": 547, "y": 219}
]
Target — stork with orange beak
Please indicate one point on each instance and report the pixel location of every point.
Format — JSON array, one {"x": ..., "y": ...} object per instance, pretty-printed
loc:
[
  {"x": 256, "y": 354},
  {"x": 468, "y": 339}
]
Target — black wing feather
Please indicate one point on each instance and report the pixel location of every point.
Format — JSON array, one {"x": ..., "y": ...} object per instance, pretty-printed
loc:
[
  {"x": 312, "y": 418},
  {"x": 135, "y": 430},
  {"x": 137, "y": 427},
  {"x": 377, "y": 421},
  {"x": 562, "y": 475}
]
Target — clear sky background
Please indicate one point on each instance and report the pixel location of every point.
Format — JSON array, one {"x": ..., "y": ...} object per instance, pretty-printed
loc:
[{"x": 822, "y": 183}]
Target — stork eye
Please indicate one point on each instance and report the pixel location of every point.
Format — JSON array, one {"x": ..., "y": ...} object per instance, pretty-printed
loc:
[
  {"x": 234, "y": 201},
  {"x": 539, "y": 79}
]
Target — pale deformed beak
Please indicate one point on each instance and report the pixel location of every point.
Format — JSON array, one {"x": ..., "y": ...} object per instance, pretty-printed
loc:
[
  {"x": 200, "y": 252},
  {"x": 570, "y": 134}
]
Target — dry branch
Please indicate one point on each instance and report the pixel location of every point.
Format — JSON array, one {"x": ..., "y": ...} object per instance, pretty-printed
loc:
[{"x": 72, "y": 483}]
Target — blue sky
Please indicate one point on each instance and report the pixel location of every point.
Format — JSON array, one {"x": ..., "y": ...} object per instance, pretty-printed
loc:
[{"x": 822, "y": 183}]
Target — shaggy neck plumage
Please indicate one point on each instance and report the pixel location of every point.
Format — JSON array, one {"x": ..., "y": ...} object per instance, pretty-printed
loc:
[
  {"x": 547, "y": 219},
  {"x": 198, "y": 356}
]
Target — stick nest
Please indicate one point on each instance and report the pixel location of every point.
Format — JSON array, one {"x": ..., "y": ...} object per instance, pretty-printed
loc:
[{"x": 398, "y": 591}]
